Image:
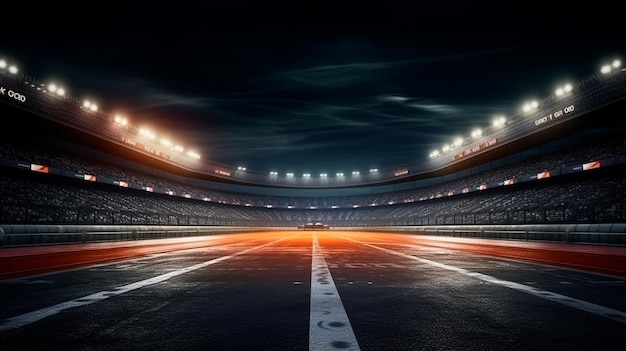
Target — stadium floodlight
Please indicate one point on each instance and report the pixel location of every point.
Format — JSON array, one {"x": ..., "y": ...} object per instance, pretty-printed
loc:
[
  {"x": 616, "y": 63},
  {"x": 53, "y": 88},
  {"x": 9, "y": 68},
  {"x": 355, "y": 173},
  {"x": 434, "y": 153},
  {"x": 90, "y": 106},
  {"x": 530, "y": 106},
  {"x": 477, "y": 133},
  {"x": 323, "y": 175},
  {"x": 373, "y": 170},
  {"x": 240, "y": 168},
  {"x": 445, "y": 148},
  {"x": 166, "y": 142},
  {"x": 339, "y": 174},
  {"x": 457, "y": 142},
  {"x": 498, "y": 122},
  {"x": 561, "y": 91},
  {"x": 608, "y": 68},
  {"x": 147, "y": 133},
  {"x": 289, "y": 175},
  {"x": 193, "y": 155},
  {"x": 306, "y": 175},
  {"x": 273, "y": 173},
  {"x": 122, "y": 121}
]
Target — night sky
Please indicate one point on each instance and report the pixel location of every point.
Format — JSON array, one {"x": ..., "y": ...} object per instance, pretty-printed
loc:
[{"x": 295, "y": 86}]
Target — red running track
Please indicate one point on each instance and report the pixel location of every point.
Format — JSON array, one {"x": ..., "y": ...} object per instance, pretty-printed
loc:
[{"x": 23, "y": 262}]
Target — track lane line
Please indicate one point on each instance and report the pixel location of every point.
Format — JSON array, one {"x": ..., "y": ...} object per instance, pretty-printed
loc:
[
  {"x": 544, "y": 294},
  {"x": 34, "y": 316}
]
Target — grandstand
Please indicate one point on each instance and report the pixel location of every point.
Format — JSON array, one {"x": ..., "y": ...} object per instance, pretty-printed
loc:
[{"x": 60, "y": 169}]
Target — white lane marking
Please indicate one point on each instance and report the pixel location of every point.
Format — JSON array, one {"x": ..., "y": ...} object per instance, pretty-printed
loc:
[
  {"x": 329, "y": 326},
  {"x": 562, "y": 299},
  {"x": 31, "y": 317}
]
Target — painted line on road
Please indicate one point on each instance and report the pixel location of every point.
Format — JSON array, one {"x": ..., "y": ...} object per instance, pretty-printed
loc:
[
  {"x": 562, "y": 299},
  {"x": 31, "y": 317},
  {"x": 329, "y": 327}
]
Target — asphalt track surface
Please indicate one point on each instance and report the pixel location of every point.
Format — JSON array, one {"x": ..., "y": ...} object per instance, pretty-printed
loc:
[{"x": 313, "y": 290}]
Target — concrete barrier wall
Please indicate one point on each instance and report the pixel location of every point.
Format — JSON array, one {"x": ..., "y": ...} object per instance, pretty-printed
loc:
[
  {"x": 28, "y": 235},
  {"x": 598, "y": 234}
]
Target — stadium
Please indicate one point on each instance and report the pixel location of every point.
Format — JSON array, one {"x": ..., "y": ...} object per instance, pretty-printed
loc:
[
  {"x": 553, "y": 174},
  {"x": 538, "y": 157}
]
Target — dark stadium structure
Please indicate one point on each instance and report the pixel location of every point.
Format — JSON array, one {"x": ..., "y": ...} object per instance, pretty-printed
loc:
[{"x": 556, "y": 173}]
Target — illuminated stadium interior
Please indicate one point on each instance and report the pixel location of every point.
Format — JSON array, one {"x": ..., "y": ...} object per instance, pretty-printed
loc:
[
  {"x": 546, "y": 149},
  {"x": 313, "y": 176}
]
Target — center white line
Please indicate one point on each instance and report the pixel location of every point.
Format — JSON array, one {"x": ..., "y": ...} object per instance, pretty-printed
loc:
[{"x": 329, "y": 327}]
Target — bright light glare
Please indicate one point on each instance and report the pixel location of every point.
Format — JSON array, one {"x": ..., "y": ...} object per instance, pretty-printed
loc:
[
  {"x": 193, "y": 154},
  {"x": 166, "y": 142},
  {"x": 563, "y": 90},
  {"x": 90, "y": 105},
  {"x": 477, "y": 133},
  {"x": 499, "y": 122},
  {"x": 55, "y": 89},
  {"x": 530, "y": 106},
  {"x": 147, "y": 133},
  {"x": 609, "y": 67},
  {"x": 121, "y": 120},
  {"x": 4, "y": 65}
]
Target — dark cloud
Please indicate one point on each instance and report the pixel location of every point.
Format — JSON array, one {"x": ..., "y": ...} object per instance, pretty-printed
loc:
[{"x": 313, "y": 86}]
